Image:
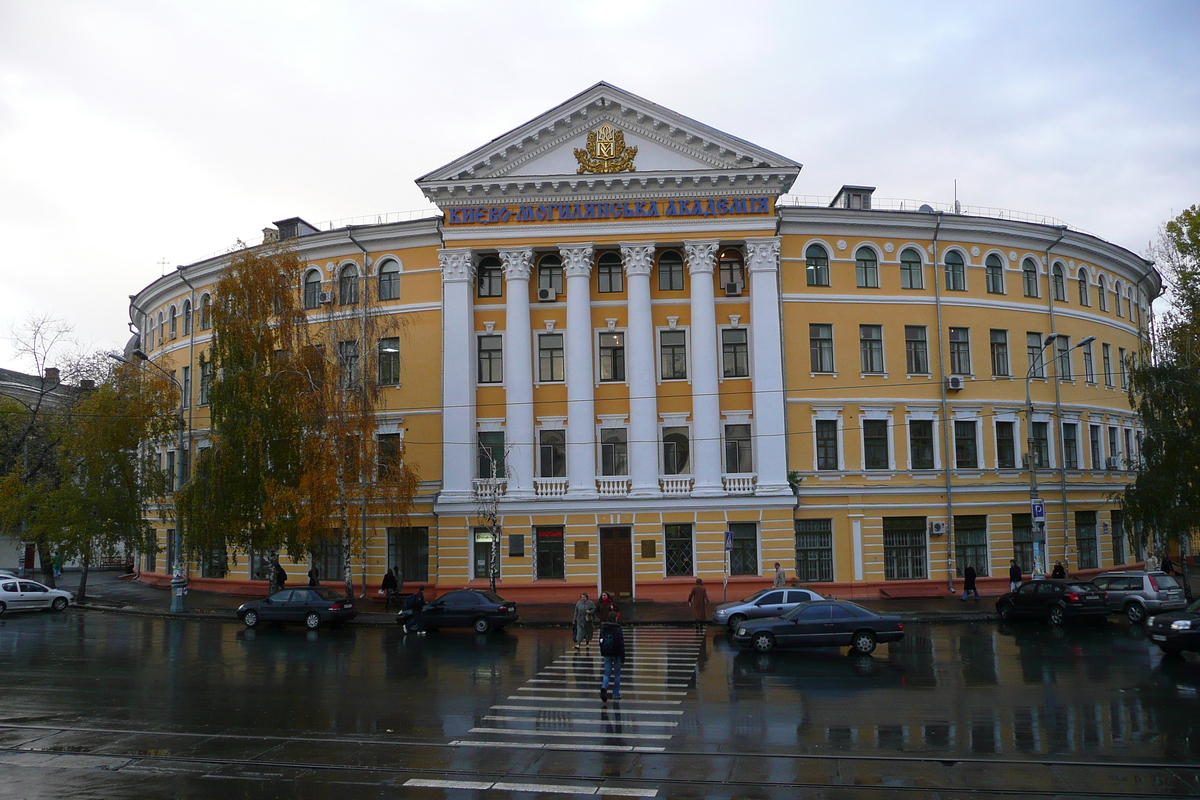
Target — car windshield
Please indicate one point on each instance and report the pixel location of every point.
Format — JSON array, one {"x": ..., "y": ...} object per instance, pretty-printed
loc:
[
  {"x": 798, "y": 609},
  {"x": 492, "y": 597},
  {"x": 756, "y": 595},
  {"x": 325, "y": 593},
  {"x": 1166, "y": 582}
]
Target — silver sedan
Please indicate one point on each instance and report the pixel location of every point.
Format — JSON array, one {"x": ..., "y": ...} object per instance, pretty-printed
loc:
[
  {"x": 21, "y": 594},
  {"x": 767, "y": 603}
]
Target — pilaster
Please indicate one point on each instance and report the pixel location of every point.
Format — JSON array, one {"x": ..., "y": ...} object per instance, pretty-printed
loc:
[
  {"x": 706, "y": 405},
  {"x": 770, "y": 431},
  {"x": 458, "y": 386},
  {"x": 518, "y": 372},
  {"x": 581, "y": 406},
  {"x": 638, "y": 259}
]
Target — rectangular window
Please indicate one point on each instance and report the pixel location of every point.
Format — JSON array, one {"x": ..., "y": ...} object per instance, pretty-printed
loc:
[
  {"x": 871, "y": 347},
  {"x": 171, "y": 469},
  {"x": 1041, "y": 445},
  {"x": 1006, "y": 450},
  {"x": 489, "y": 283},
  {"x": 491, "y": 359},
  {"x": 1097, "y": 450},
  {"x": 215, "y": 563},
  {"x": 1085, "y": 539},
  {"x": 550, "y": 275},
  {"x": 389, "y": 361},
  {"x": 820, "y": 345},
  {"x": 673, "y": 352},
  {"x": 1121, "y": 366},
  {"x": 614, "y": 451},
  {"x": 970, "y": 544},
  {"x": 827, "y": 444},
  {"x": 611, "y": 278},
  {"x": 389, "y": 281},
  {"x": 875, "y": 443},
  {"x": 1089, "y": 364},
  {"x": 491, "y": 455},
  {"x": 1063, "y": 345},
  {"x": 389, "y": 452},
  {"x": 904, "y": 548},
  {"x": 920, "y": 443},
  {"x": 1128, "y": 452},
  {"x": 678, "y": 549},
  {"x": 612, "y": 357},
  {"x": 966, "y": 452},
  {"x": 185, "y": 374},
  {"x": 1106, "y": 358},
  {"x": 676, "y": 451},
  {"x": 1000, "y": 354},
  {"x": 1033, "y": 346},
  {"x": 817, "y": 266},
  {"x": 866, "y": 270},
  {"x": 1022, "y": 528},
  {"x": 1070, "y": 434},
  {"x": 516, "y": 545},
  {"x": 1118, "y": 536},
  {"x": 995, "y": 276},
  {"x": 550, "y": 357},
  {"x": 482, "y": 552},
  {"x": 348, "y": 366},
  {"x": 960, "y": 351},
  {"x": 911, "y": 276},
  {"x": 735, "y": 353},
  {"x": 743, "y": 558},
  {"x": 670, "y": 273},
  {"x": 205, "y": 382},
  {"x": 1114, "y": 448},
  {"x": 737, "y": 450},
  {"x": 552, "y": 454},
  {"x": 814, "y": 550},
  {"x": 550, "y": 554},
  {"x": 327, "y": 558},
  {"x": 916, "y": 349}
]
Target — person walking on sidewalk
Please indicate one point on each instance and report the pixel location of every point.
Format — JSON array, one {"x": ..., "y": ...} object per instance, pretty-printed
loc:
[
  {"x": 581, "y": 623},
  {"x": 698, "y": 600},
  {"x": 1059, "y": 573},
  {"x": 314, "y": 576},
  {"x": 607, "y": 606},
  {"x": 780, "y": 578},
  {"x": 969, "y": 582},
  {"x": 1014, "y": 575},
  {"x": 1168, "y": 566},
  {"x": 612, "y": 651},
  {"x": 389, "y": 588}
]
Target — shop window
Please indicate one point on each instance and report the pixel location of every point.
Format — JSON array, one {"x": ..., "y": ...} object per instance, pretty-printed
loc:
[{"x": 549, "y": 554}]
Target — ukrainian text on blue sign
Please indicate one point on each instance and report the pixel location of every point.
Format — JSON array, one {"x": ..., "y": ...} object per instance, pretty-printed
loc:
[{"x": 563, "y": 212}]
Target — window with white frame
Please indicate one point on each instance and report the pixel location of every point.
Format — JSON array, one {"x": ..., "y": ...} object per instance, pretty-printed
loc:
[
  {"x": 388, "y": 361},
  {"x": 1070, "y": 442},
  {"x": 670, "y": 271},
  {"x": 871, "y": 347},
  {"x": 866, "y": 268},
  {"x": 738, "y": 454},
  {"x": 1089, "y": 364},
  {"x": 820, "y": 344},
  {"x": 916, "y": 349},
  {"x": 1033, "y": 347},
  {"x": 1102, "y": 292},
  {"x": 550, "y": 357},
  {"x": 673, "y": 354},
  {"x": 491, "y": 359},
  {"x": 552, "y": 454},
  {"x": 960, "y": 351},
  {"x": 348, "y": 285},
  {"x": 912, "y": 274},
  {"x": 826, "y": 433},
  {"x": 956, "y": 272},
  {"x": 612, "y": 356},
  {"x": 1058, "y": 280},
  {"x": 966, "y": 448},
  {"x": 1106, "y": 359},
  {"x": 875, "y": 444},
  {"x": 816, "y": 265},
  {"x": 610, "y": 275},
  {"x": 614, "y": 451},
  {"x": 735, "y": 353},
  {"x": 920, "y": 444},
  {"x": 994, "y": 267},
  {"x": 1085, "y": 294},
  {"x": 999, "y": 343},
  {"x": 1006, "y": 444},
  {"x": 676, "y": 451},
  {"x": 550, "y": 273},
  {"x": 187, "y": 317},
  {"x": 1029, "y": 277}
]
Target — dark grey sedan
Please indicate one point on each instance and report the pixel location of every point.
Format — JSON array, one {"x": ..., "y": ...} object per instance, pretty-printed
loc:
[
  {"x": 824, "y": 623},
  {"x": 311, "y": 605}
]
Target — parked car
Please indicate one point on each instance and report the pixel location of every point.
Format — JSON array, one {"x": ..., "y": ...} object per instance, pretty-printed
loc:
[
  {"x": 1054, "y": 600},
  {"x": 312, "y": 605},
  {"x": 22, "y": 594},
  {"x": 767, "y": 603},
  {"x": 466, "y": 608},
  {"x": 1176, "y": 631},
  {"x": 821, "y": 623},
  {"x": 4, "y": 573},
  {"x": 1138, "y": 594}
]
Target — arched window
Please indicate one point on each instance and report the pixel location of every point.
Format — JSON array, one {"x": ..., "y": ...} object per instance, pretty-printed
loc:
[
  {"x": 1085, "y": 294},
  {"x": 489, "y": 277},
  {"x": 348, "y": 285},
  {"x": 995, "y": 274},
  {"x": 866, "y": 269},
  {"x": 550, "y": 273},
  {"x": 817, "y": 265},
  {"x": 609, "y": 274},
  {"x": 1117, "y": 292},
  {"x": 1059, "y": 281},
  {"x": 389, "y": 280},
  {"x": 732, "y": 270},
  {"x": 205, "y": 312},
  {"x": 312, "y": 288},
  {"x": 175, "y": 329},
  {"x": 187, "y": 317},
  {"x": 956, "y": 272},
  {"x": 670, "y": 271},
  {"x": 148, "y": 344},
  {"x": 1029, "y": 277},
  {"x": 162, "y": 329},
  {"x": 911, "y": 275},
  {"x": 1102, "y": 292}
]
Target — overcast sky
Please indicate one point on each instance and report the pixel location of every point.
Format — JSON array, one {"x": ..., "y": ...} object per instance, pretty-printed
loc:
[{"x": 134, "y": 134}]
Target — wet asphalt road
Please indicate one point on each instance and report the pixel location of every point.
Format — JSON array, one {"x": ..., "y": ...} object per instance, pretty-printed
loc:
[{"x": 100, "y": 705}]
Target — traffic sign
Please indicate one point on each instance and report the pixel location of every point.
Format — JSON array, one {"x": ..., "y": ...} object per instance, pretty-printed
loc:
[
  {"x": 1038, "y": 509},
  {"x": 728, "y": 540}
]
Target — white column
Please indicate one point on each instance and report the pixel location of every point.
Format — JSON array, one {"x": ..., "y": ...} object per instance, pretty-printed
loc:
[
  {"x": 518, "y": 372},
  {"x": 706, "y": 404},
  {"x": 770, "y": 430},
  {"x": 458, "y": 385},
  {"x": 581, "y": 404},
  {"x": 639, "y": 359}
]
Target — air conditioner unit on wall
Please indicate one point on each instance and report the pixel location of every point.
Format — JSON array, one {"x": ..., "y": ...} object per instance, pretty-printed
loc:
[
  {"x": 1114, "y": 462},
  {"x": 955, "y": 383},
  {"x": 937, "y": 528},
  {"x": 733, "y": 290},
  {"x": 547, "y": 295},
  {"x": 325, "y": 297}
]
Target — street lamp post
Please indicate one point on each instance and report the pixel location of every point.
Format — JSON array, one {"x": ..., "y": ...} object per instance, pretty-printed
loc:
[{"x": 179, "y": 581}]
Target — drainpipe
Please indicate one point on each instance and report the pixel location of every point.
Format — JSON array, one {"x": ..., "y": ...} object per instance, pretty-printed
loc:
[
  {"x": 941, "y": 349},
  {"x": 1058, "y": 378},
  {"x": 362, "y": 376}
]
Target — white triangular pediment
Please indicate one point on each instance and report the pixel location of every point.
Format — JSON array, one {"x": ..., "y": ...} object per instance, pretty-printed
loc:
[{"x": 540, "y": 157}]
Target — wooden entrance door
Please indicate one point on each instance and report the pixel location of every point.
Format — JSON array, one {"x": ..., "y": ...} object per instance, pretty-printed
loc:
[{"x": 616, "y": 561}]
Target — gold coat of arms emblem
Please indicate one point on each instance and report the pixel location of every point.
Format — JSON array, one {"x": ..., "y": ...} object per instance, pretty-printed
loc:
[{"x": 606, "y": 152}]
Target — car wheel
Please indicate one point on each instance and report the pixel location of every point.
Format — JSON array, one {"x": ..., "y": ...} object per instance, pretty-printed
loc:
[
  {"x": 1006, "y": 611},
  {"x": 863, "y": 642},
  {"x": 250, "y": 618},
  {"x": 2, "y": 608},
  {"x": 1136, "y": 613},
  {"x": 59, "y": 604},
  {"x": 764, "y": 642},
  {"x": 312, "y": 621},
  {"x": 1057, "y": 616},
  {"x": 482, "y": 625},
  {"x": 735, "y": 620}
]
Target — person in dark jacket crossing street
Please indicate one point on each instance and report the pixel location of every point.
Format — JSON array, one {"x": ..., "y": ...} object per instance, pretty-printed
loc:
[
  {"x": 969, "y": 582},
  {"x": 612, "y": 650}
]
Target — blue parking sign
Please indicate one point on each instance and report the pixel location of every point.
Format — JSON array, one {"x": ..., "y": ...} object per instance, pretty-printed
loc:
[{"x": 1038, "y": 510}]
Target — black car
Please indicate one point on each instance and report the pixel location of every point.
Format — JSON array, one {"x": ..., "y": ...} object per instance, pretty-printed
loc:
[
  {"x": 1176, "y": 631},
  {"x": 1054, "y": 600},
  {"x": 467, "y": 608},
  {"x": 312, "y": 605},
  {"x": 821, "y": 623}
]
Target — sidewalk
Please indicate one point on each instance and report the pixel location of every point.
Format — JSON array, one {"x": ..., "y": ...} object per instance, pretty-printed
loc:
[{"x": 110, "y": 591}]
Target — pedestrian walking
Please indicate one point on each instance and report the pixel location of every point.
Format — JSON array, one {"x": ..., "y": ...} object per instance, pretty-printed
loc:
[
  {"x": 969, "y": 582},
  {"x": 1014, "y": 575},
  {"x": 280, "y": 576},
  {"x": 415, "y": 602},
  {"x": 582, "y": 621},
  {"x": 698, "y": 600},
  {"x": 314, "y": 576},
  {"x": 780, "y": 578},
  {"x": 56, "y": 562},
  {"x": 1059, "y": 572},
  {"x": 607, "y": 606},
  {"x": 1168, "y": 566},
  {"x": 612, "y": 651},
  {"x": 388, "y": 587}
]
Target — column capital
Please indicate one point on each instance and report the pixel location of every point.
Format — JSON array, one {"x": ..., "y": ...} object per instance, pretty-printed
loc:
[
  {"x": 457, "y": 264},
  {"x": 762, "y": 253},
  {"x": 577, "y": 259},
  {"x": 638, "y": 257},
  {"x": 701, "y": 255},
  {"x": 518, "y": 262}
]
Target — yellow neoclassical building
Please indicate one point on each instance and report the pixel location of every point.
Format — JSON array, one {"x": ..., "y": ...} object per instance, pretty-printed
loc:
[{"x": 624, "y": 336}]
